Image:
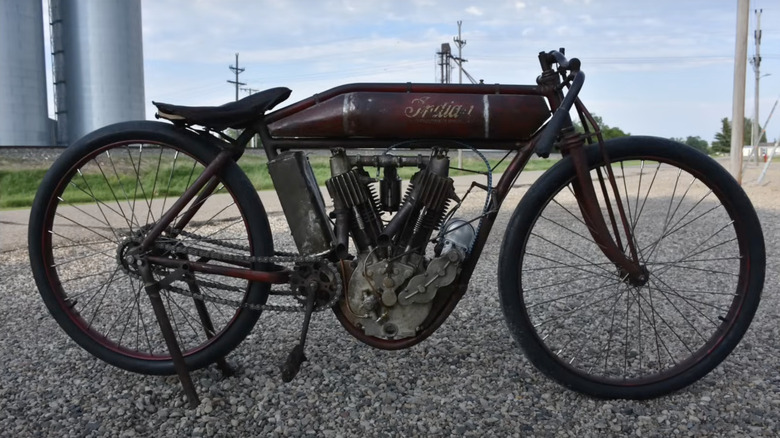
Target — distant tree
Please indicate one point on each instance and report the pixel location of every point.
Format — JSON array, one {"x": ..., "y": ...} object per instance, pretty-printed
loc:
[
  {"x": 722, "y": 142},
  {"x": 695, "y": 142},
  {"x": 607, "y": 131}
]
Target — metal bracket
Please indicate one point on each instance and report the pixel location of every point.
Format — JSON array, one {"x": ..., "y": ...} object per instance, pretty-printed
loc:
[{"x": 152, "y": 288}]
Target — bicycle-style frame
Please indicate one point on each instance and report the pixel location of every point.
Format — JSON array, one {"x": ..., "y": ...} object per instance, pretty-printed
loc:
[{"x": 273, "y": 130}]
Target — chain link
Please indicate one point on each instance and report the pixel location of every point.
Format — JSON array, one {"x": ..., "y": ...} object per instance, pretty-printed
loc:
[{"x": 277, "y": 258}]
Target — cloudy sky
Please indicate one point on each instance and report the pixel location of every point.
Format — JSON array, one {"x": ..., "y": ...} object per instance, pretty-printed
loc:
[{"x": 657, "y": 67}]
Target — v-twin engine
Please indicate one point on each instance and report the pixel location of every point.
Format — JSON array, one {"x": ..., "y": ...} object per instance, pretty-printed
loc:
[{"x": 395, "y": 279}]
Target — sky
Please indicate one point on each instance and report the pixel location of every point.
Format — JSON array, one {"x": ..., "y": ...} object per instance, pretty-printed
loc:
[{"x": 657, "y": 67}]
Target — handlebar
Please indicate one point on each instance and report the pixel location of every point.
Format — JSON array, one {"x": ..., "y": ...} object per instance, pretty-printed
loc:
[
  {"x": 561, "y": 116},
  {"x": 547, "y": 59}
]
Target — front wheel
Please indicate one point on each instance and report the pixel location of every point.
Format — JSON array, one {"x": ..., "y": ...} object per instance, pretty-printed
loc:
[
  {"x": 96, "y": 204},
  {"x": 582, "y": 322}
]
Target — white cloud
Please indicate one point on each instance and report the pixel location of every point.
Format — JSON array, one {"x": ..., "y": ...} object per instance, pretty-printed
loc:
[
  {"x": 473, "y": 10},
  {"x": 310, "y": 46}
]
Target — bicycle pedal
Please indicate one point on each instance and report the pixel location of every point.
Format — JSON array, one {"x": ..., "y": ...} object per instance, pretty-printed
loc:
[{"x": 293, "y": 363}]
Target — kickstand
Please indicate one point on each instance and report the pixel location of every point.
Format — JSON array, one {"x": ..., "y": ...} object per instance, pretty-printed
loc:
[
  {"x": 208, "y": 326},
  {"x": 293, "y": 363},
  {"x": 152, "y": 288}
]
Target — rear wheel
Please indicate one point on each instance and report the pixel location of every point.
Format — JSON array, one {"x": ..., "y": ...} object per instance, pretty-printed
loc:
[
  {"x": 98, "y": 201},
  {"x": 583, "y": 323}
]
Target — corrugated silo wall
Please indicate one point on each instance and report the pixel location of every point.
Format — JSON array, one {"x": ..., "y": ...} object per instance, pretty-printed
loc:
[
  {"x": 103, "y": 63},
  {"x": 23, "y": 108}
]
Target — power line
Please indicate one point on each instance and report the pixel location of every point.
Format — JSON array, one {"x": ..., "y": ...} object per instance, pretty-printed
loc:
[{"x": 237, "y": 71}]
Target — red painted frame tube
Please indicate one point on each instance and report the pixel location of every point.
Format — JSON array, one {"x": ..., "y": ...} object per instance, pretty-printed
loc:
[{"x": 185, "y": 198}]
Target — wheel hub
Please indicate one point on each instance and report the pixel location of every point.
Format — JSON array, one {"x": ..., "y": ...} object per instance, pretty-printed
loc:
[
  {"x": 637, "y": 279},
  {"x": 127, "y": 255}
]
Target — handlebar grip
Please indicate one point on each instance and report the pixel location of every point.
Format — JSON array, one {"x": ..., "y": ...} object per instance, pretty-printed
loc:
[
  {"x": 559, "y": 58},
  {"x": 574, "y": 65}
]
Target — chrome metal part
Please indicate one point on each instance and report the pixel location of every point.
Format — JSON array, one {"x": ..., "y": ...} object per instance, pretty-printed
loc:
[{"x": 457, "y": 233}]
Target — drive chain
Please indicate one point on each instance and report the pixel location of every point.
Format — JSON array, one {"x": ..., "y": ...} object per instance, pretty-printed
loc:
[{"x": 279, "y": 257}]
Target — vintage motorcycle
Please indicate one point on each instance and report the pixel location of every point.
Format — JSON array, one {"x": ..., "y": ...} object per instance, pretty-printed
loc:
[{"x": 630, "y": 269}]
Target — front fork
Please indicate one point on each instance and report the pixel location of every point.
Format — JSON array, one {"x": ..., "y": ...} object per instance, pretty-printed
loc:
[{"x": 624, "y": 256}]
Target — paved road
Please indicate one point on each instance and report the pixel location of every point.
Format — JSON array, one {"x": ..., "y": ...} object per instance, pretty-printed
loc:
[{"x": 13, "y": 223}]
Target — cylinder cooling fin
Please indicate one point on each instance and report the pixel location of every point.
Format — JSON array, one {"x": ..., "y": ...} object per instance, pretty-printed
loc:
[{"x": 356, "y": 205}]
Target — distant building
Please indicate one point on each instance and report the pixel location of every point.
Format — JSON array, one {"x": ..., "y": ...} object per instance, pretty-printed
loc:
[
  {"x": 97, "y": 69},
  {"x": 763, "y": 149},
  {"x": 24, "y": 119}
]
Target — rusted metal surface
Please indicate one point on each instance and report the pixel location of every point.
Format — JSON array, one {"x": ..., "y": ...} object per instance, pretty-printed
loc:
[
  {"x": 152, "y": 288},
  {"x": 407, "y": 111},
  {"x": 212, "y": 169},
  {"x": 453, "y": 293},
  {"x": 301, "y": 202},
  {"x": 273, "y": 277}
]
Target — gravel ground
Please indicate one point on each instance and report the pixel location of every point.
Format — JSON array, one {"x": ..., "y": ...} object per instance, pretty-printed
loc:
[{"x": 468, "y": 379}]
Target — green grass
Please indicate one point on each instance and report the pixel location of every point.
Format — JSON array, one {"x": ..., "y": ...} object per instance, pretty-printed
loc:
[{"x": 18, "y": 187}]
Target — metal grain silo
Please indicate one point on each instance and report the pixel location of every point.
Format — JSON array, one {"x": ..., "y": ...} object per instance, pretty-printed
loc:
[
  {"x": 24, "y": 117},
  {"x": 102, "y": 62}
]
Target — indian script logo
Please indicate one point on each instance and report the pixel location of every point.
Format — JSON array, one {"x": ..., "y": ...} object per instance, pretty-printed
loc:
[{"x": 420, "y": 108}]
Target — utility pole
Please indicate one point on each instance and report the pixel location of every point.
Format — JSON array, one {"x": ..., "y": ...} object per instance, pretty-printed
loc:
[
  {"x": 460, "y": 43},
  {"x": 237, "y": 71},
  {"x": 738, "y": 103},
  {"x": 756, "y": 61},
  {"x": 250, "y": 91}
]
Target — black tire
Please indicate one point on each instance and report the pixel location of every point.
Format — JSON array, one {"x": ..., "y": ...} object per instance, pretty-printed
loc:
[
  {"x": 103, "y": 192},
  {"x": 581, "y": 324}
]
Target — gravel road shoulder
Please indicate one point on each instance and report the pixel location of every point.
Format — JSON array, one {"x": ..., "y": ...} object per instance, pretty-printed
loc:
[{"x": 468, "y": 379}]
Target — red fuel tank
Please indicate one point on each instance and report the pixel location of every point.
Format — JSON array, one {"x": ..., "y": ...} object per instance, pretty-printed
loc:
[{"x": 444, "y": 112}]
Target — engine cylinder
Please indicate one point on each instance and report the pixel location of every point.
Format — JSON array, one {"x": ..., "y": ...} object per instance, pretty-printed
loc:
[
  {"x": 424, "y": 206},
  {"x": 353, "y": 199}
]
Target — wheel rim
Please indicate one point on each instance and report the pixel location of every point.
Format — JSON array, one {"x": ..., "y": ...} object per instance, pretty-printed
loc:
[
  {"x": 610, "y": 331},
  {"x": 103, "y": 206}
]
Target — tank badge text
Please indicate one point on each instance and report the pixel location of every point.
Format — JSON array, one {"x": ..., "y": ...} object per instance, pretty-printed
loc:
[{"x": 421, "y": 109}]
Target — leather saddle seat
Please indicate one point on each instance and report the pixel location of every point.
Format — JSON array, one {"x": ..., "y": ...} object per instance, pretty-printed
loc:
[{"x": 238, "y": 114}]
